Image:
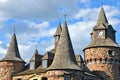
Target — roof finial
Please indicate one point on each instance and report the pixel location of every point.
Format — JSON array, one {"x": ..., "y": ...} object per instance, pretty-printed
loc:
[
  {"x": 14, "y": 28},
  {"x": 59, "y": 20},
  {"x": 65, "y": 16},
  {"x": 102, "y": 3},
  {"x": 36, "y": 46}
]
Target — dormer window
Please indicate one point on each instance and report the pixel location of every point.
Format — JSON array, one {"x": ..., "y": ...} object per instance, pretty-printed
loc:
[
  {"x": 111, "y": 53},
  {"x": 44, "y": 63},
  {"x": 32, "y": 65}
]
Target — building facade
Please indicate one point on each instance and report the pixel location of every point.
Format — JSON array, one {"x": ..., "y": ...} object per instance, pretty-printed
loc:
[{"x": 101, "y": 57}]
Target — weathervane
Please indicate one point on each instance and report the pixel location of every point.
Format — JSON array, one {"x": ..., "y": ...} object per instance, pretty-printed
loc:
[
  {"x": 102, "y": 2},
  {"x": 65, "y": 16},
  {"x": 59, "y": 20},
  {"x": 36, "y": 45},
  {"x": 14, "y": 28}
]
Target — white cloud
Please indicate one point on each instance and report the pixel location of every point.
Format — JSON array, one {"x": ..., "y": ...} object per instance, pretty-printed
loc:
[
  {"x": 80, "y": 35},
  {"x": 80, "y": 30},
  {"x": 2, "y": 49},
  {"x": 39, "y": 9},
  {"x": 85, "y": 1},
  {"x": 29, "y": 33},
  {"x": 87, "y": 14}
]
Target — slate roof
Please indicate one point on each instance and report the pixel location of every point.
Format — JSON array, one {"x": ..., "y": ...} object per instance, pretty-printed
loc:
[
  {"x": 103, "y": 42},
  {"x": 102, "y": 23},
  {"x": 48, "y": 56},
  {"x": 64, "y": 56},
  {"x": 59, "y": 30},
  {"x": 36, "y": 56},
  {"x": 102, "y": 17},
  {"x": 38, "y": 70},
  {"x": 13, "y": 51}
]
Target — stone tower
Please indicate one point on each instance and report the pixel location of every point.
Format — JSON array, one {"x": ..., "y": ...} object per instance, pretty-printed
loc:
[
  {"x": 64, "y": 65},
  {"x": 102, "y": 55},
  {"x": 57, "y": 34},
  {"x": 12, "y": 62}
]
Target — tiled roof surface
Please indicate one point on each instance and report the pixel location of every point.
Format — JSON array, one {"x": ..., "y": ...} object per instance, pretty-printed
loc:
[
  {"x": 13, "y": 51},
  {"x": 64, "y": 56}
]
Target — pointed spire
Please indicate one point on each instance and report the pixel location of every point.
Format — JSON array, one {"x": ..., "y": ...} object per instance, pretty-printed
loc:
[
  {"x": 64, "y": 56},
  {"x": 102, "y": 17},
  {"x": 36, "y": 56},
  {"x": 57, "y": 35},
  {"x": 13, "y": 51},
  {"x": 102, "y": 2},
  {"x": 59, "y": 30}
]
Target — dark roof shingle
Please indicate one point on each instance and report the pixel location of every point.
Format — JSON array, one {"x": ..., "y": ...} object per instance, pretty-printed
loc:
[
  {"x": 64, "y": 56},
  {"x": 13, "y": 51}
]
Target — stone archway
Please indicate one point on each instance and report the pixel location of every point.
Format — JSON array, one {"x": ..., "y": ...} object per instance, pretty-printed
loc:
[{"x": 44, "y": 78}]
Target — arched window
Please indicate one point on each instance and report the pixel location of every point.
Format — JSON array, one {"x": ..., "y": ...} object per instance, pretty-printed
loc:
[
  {"x": 87, "y": 61},
  {"x": 100, "y": 59},
  {"x": 106, "y": 59},
  {"x": 90, "y": 60},
  {"x": 95, "y": 59}
]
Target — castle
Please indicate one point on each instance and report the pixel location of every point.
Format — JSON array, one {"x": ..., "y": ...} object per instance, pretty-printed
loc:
[{"x": 101, "y": 57}]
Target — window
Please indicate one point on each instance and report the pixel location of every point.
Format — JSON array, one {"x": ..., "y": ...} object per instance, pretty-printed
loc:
[
  {"x": 111, "y": 53},
  {"x": 32, "y": 65},
  {"x": 67, "y": 77},
  {"x": 44, "y": 63}
]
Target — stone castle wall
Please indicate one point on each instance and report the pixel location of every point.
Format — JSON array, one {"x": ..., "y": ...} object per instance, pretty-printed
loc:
[
  {"x": 100, "y": 60},
  {"x": 8, "y": 68},
  {"x": 62, "y": 74}
]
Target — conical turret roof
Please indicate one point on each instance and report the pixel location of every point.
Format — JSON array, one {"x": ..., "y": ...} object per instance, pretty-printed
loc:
[
  {"x": 13, "y": 51},
  {"x": 59, "y": 30},
  {"x": 102, "y": 21},
  {"x": 64, "y": 56},
  {"x": 102, "y": 17},
  {"x": 109, "y": 35}
]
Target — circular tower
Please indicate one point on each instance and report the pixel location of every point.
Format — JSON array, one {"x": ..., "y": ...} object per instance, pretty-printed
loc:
[{"x": 102, "y": 55}]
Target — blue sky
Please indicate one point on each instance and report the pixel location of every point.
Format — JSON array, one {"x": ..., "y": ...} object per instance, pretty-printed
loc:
[{"x": 36, "y": 21}]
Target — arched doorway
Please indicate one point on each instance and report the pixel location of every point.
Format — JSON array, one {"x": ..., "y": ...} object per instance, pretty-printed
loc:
[{"x": 44, "y": 78}]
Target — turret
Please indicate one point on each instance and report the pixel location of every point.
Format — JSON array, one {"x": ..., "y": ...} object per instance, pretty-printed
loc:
[
  {"x": 64, "y": 65},
  {"x": 64, "y": 53},
  {"x": 102, "y": 54},
  {"x": 12, "y": 62},
  {"x": 57, "y": 34}
]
